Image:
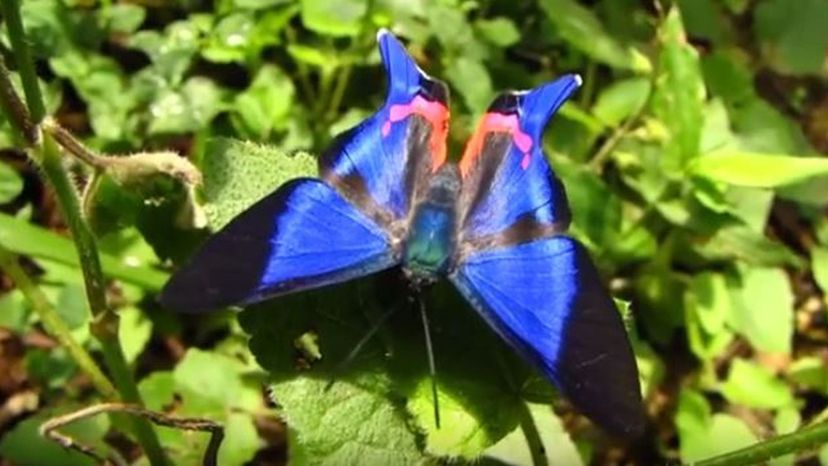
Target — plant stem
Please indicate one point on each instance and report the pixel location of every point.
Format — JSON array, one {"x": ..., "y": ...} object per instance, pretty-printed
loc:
[
  {"x": 13, "y": 107},
  {"x": 804, "y": 439},
  {"x": 533, "y": 438},
  {"x": 23, "y": 56},
  {"x": 53, "y": 322},
  {"x": 105, "y": 321}
]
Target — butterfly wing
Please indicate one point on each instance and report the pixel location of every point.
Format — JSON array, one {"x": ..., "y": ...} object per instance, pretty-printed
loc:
[
  {"x": 304, "y": 235},
  {"x": 383, "y": 163},
  {"x": 311, "y": 233},
  {"x": 507, "y": 182},
  {"x": 535, "y": 287}
]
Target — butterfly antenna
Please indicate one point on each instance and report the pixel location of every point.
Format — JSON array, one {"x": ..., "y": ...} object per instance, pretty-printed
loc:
[
  {"x": 358, "y": 347},
  {"x": 432, "y": 370}
]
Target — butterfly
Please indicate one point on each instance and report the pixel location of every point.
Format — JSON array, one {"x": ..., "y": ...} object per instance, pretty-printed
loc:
[{"x": 493, "y": 224}]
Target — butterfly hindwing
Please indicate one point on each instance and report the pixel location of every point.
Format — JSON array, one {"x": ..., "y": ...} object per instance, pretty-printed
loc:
[
  {"x": 546, "y": 299},
  {"x": 507, "y": 182},
  {"x": 382, "y": 164},
  {"x": 304, "y": 235}
]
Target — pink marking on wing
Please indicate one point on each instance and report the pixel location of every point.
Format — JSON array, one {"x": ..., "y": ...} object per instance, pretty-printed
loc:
[
  {"x": 435, "y": 113},
  {"x": 524, "y": 162}
]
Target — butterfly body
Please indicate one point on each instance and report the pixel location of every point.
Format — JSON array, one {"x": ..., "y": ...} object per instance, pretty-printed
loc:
[
  {"x": 494, "y": 224},
  {"x": 431, "y": 239}
]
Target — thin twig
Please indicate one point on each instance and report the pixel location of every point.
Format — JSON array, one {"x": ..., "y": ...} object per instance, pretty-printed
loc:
[{"x": 49, "y": 429}]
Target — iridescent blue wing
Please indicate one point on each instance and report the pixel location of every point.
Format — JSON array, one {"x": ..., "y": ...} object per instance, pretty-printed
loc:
[
  {"x": 507, "y": 182},
  {"x": 546, "y": 299},
  {"x": 304, "y": 235},
  {"x": 311, "y": 233},
  {"x": 535, "y": 287},
  {"x": 383, "y": 163}
]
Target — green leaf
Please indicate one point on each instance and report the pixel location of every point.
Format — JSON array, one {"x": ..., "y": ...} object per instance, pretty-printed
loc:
[
  {"x": 187, "y": 109},
  {"x": 123, "y": 18},
  {"x": 557, "y": 444},
  {"x": 24, "y": 238},
  {"x": 135, "y": 330},
  {"x": 580, "y": 27},
  {"x": 471, "y": 80},
  {"x": 230, "y": 39},
  {"x": 11, "y": 184},
  {"x": 726, "y": 433},
  {"x": 707, "y": 307},
  {"x": 267, "y": 104},
  {"x": 763, "y": 311},
  {"x": 703, "y": 19},
  {"x": 334, "y": 17},
  {"x": 621, "y": 100},
  {"x": 499, "y": 31},
  {"x": 810, "y": 373},
  {"x": 759, "y": 170},
  {"x": 237, "y": 174},
  {"x": 754, "y": 386},
  {"x": 679, "y": 95},
  {"x": 819, "y": 266},
  {"x": 346, "y": 424},
  {"x": 793, "y": 34}
]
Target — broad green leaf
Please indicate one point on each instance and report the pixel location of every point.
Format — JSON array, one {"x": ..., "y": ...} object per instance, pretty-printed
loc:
[
  {"x": 14, "y": 311},
  {"x": 763, "y": 311},
  {"x": 346, "y": 424},
  {"x": 763, "y": 128},
  {"x": 25, "y": 238},
  {"x": 758, "y": 170},
  {"x": 11, "y": 184},
  {"x": 334, "y": 17},
  {"x": 237, "y": 174},
  {"x": 743, "y": 243},
  {"x": 728, "y": 75},
  {"x": 558, "y": 446},
  {"x": 679, "y": 94},
  {"x": 793, "y": 34},
  {"x": 754, "y": 386},
  {"x": 621, "y": 100},
  {"x": 580, "y": 27}
]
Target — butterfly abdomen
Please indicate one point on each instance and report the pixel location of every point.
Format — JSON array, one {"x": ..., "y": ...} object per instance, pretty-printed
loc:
[{"x": 431, "y": 236}]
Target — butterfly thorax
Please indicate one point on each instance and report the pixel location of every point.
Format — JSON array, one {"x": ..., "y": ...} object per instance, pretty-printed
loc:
[{"x": 431, "y": 237}]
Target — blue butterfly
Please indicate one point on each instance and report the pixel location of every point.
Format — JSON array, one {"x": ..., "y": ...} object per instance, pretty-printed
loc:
[{"x": 494, "y": 225}]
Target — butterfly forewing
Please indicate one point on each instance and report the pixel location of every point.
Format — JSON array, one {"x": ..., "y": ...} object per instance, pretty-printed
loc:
[
  {"x": 304, "y": 235},
  {"x": 383, "y": 164},
  {"x": 352, "y": 222}
]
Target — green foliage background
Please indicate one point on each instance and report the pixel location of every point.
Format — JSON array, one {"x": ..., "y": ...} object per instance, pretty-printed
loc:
[{"x": 693, "y": 157}]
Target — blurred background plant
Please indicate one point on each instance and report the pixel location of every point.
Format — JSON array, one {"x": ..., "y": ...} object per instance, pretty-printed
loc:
[{"x": 693, "y": 158}]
